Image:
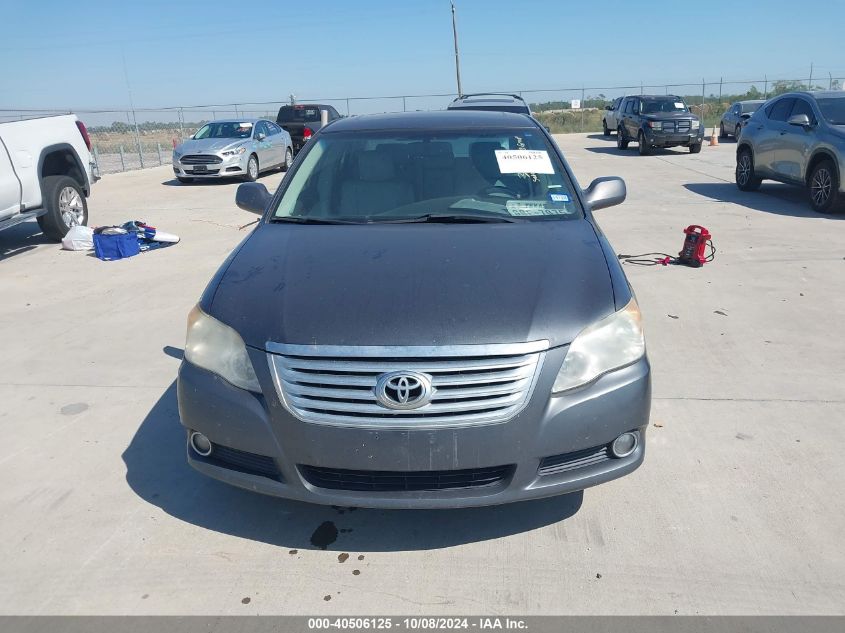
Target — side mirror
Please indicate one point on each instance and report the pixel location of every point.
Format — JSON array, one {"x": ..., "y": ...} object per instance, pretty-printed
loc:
[
  {"x": 260, "y": 136},
  {"x": 548, "y": 129},
  {"x": 799, "y": 119},
  {"x": 252, "y": 196},
  {"x": 608, "y": 107},
  {"x": 604, "y": 192}
]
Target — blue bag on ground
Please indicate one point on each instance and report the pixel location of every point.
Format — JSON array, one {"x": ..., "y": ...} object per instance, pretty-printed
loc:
[{"x": 110, "y": 245}]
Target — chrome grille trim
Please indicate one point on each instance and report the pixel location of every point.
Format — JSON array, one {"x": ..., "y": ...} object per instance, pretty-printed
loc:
[
  {"x": 201, "y": 159},
  {"x": 473, "y": 384}
]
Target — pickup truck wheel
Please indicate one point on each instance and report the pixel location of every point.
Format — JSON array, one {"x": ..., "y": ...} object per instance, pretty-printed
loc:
[
  {"x": 604, "y": 128},
  {"x": 694, "y": 148},
  {"x": 65, "y": 204},
  {"x": 642, "y": 145},
  {"x": 824, "y": 187},
  {"x": 621, "y": 141},
  {"x": 251, "y": 169},
  {"x": 745, "y": 178},
  {"x": 288, "y": 159},
  {"x": 184, "y": 180}
]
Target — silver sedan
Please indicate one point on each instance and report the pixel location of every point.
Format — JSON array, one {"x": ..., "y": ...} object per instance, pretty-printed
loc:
[{"x": 233, "y": 148}]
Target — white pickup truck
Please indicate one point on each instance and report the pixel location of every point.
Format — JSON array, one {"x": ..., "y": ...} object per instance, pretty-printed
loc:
[{"x": 46, "y": 172}]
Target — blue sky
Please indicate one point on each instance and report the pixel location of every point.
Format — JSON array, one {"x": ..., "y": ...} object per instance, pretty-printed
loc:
[{"x": 70, "y": 54}]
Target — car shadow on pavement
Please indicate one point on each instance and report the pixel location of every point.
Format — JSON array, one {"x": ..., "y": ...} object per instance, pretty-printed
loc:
[
  {"x": 157, "y": 471},
  {"x": 632, "y": 150},
  {"x": 770, "y": 198},
  {"x": 22, "y": 238}
]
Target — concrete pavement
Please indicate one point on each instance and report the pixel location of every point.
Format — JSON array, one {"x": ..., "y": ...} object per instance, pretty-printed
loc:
[{"x": 737, "y": 509}]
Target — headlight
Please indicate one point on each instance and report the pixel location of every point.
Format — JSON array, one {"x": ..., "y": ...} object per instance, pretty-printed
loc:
[
  {"x": 234, "y": 152},
  {"x": 612, "y": 343},
  {"x": 655, "y": 125},
  {"x": 696, "y": 125},
  {"x": 219, "y": 349},
  {"x": 176, "y": 155}
]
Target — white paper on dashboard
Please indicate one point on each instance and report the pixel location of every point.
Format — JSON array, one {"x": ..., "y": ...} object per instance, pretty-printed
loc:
[{"x": 524, "y": 161}]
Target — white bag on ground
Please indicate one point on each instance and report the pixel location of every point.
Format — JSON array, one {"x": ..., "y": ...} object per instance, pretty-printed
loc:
[{"x": 78, "y": 238}]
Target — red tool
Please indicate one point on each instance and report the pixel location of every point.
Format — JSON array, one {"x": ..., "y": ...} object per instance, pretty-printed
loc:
[{"x": 696, "y": 240}]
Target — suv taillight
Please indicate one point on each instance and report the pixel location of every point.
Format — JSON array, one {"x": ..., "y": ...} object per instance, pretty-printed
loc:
[
  {"x": 306, "y": 133},
  {"x": 82, "y": 130}
]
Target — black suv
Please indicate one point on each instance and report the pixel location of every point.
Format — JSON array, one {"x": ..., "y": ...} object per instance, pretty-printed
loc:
[
  {"x": 491, "y": 101},
  {"x": 658, "y": 121}
]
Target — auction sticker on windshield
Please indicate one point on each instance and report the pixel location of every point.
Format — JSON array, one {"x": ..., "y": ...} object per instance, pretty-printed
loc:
[
  {"x": 532, "y": 207},
  {"x": 524, "y": 161}
]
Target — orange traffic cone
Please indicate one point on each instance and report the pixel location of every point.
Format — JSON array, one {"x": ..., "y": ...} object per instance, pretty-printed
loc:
[{"x": 714, "y": 138}]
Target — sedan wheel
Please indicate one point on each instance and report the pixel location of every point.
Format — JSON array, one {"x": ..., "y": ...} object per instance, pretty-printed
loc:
[
  {"x": 251, "y": 169},
  {"x": 722, "y": 130},
  {"x": 288, "y": 159}
]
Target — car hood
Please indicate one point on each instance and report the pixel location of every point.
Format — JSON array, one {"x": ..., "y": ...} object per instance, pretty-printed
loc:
[
  {"x": 210, "y": 145},
  {"x": 415, "y": 284},
  {"x": 670, "y": 116}
]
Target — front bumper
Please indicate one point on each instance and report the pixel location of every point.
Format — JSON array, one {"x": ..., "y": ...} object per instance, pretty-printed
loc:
[
  {"x": 230, "y": 166},
  {"x": 554, "y": 446},
  {"x": 659, "y": 138}
]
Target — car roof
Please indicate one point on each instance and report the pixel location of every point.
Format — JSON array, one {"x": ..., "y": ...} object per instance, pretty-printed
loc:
[
  {"x": 307, "y": 105},
  {"x": 650, "y": 97},
  {"x": 752, "y": 101},
  {"x": 435, "y": 120},
  {"x": 243, "y": 120}
]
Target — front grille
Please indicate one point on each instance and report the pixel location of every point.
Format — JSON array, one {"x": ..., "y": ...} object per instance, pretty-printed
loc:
[
  {"x": 242, "y": 461},
  {"x": 200, "y": 159},
  {"x": 204, "y": 172},
  {"x": 471, "y": 384},
  {"x": 404, "y": 481},
  {"x": 573, "y": 461}
]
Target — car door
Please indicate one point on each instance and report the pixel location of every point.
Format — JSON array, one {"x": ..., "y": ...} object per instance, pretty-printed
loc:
[
  {"x": 277, "y": 142},
  {"x": 612, "y": 116},
  {"x": 796, "y": 142},
  {"x": 632, "y": 117},
  {"x": 262, "y": 145},
  {"x": 767, "y": 134},
  {"x": 729, "y": 119},
  {"x": 10, "y": 186}
]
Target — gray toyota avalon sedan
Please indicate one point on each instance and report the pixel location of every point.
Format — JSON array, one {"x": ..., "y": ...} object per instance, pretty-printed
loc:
[{"x": 427, "y": 315}]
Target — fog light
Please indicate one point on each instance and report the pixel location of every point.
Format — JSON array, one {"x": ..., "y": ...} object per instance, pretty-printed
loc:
[
  {"x": 203, "y": 446},
  {"x": 624, "y": 445}
]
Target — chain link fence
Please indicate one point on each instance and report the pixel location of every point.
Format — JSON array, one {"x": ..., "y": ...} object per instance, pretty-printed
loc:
[{"x": 144, "y": 137}]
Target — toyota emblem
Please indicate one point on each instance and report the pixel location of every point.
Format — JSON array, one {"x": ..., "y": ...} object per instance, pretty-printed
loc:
[{"x": 404, "y": 390}]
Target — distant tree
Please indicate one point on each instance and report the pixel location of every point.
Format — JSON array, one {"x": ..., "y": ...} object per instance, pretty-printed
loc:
[
  {"x": 781, "y": 86},
  {"x": 753, "y": 93}
]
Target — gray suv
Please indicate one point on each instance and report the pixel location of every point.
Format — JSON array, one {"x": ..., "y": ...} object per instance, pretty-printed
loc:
[
  {"x": 427, "y": 315},
  {"x": 796, "y": 138}
]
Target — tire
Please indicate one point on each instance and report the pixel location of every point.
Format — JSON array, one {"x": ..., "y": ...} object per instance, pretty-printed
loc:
[
  {"x": 824, "y": 187},
  {"x": 66, "y": 206},
  {"x": 184, "y": 180},
  {"x": 695, "y": 148},
  {"x": 744, "y": 174},
  {"x": 737, "y": 132},
  {"x": 642, "y": 145},
  {"x": 251, "y": 174},
  {"x": 288, "y": 159},
  {"x": 621, "y": 141},
  {"x": 722, "y": 131},
  {"x": 604, "y": 128}
]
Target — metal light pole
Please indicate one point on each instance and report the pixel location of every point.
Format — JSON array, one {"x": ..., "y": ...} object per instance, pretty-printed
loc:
[{"x": 457, "y": 58}]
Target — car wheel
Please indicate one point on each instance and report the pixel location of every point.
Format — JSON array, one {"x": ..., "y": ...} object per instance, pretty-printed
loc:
[
  {"x": 824, "y": 187},
  {"x": 184, "y": 180},
  {"x": 737, "y": 132},
  {"x": 288, "y": 159},
  {"x": 65, "y": 204},
  {"x": 745, "y": 178},
  {"x": 251, "y": 169},
  {"x": 695, "y": 148},
  {"x": 722, "y": 130},
  {"x": 604, "y": 128},
  {"x": 643, "y": 146},
  {"x": 621, "y": 141}
]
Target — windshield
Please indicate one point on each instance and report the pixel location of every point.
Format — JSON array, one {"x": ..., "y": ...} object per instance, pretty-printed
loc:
[
  {"x": 497, "y": 175},
  {"x": 299, "y": 114},
  {"x": 750, "y": 107},
  {"x": 224, "y": 129},
  {"x": 670, "y": 104},
  {"x": 833, "y": 110}
]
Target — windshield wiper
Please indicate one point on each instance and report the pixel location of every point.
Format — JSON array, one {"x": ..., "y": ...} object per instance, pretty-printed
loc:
[
  {"x": 446, "y": 218},
  {"x": 307, "y": 220}
]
